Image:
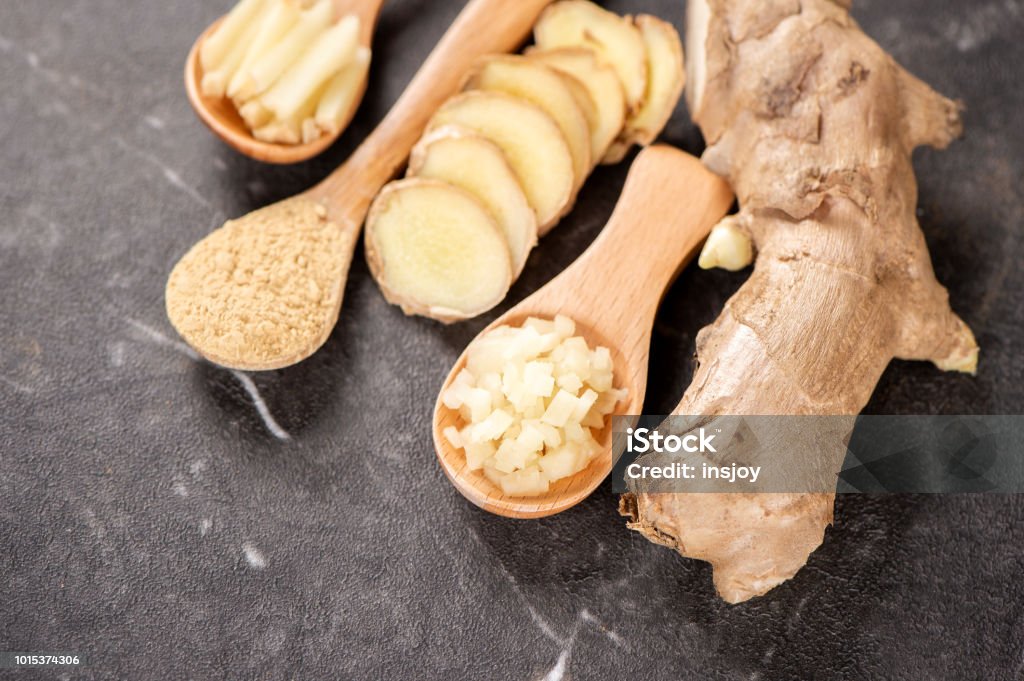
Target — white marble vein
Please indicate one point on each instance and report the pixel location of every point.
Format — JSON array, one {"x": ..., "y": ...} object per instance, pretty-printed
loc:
[
  {"x": 261, "y": 406},
  {"x": 19, "y": 387},
  {"x": 54, "y": 77},
  {"x": 253, "y": 556},
  {"x": 565, "y": 642},
  {"x": 169, "y": 174},
  {"x": 269, "y": 421}
]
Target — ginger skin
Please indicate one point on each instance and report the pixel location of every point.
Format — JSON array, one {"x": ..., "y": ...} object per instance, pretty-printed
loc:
[{"x": 813, "y": 125}]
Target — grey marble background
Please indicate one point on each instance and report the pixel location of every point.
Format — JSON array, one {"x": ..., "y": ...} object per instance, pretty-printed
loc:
[{"x": 171, "y": 520}]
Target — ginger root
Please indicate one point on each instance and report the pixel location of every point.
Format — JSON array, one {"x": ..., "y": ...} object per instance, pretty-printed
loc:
[{"x": 813, "y": 124}]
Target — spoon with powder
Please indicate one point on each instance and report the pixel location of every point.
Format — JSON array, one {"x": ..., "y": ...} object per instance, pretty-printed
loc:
[
  {"x": 612, "y": 293},
  {"x": 264, "y": 291}
]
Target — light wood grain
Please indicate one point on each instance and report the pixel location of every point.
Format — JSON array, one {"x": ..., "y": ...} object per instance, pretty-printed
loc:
[
  {"x": 221, "y": 117},
  {"x": 668, "y": 206}
]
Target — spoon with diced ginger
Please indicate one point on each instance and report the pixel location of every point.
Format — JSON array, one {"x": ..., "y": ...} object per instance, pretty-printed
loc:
[
  {"x": 280, "y": 80},
  {"x": 264, "y": 291},
  {"x": 601, "y": 309}
]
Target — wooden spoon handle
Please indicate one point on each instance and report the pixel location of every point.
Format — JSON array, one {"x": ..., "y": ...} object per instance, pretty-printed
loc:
[
  {"x": 669, "y": 204},
  {"x": 483, "y": 27}
]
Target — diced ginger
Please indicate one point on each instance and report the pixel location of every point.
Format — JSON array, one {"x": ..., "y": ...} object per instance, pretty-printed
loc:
[
  {"x": 531, "y": 438},
  {"x": 527, "y": 482},
  {"x": 561, "y": 463},
  {"x": 508, "y": 458},
  {"x": 479, "y": 402},
  {"x": 524, "y": 427},
  {"x": 570, "y": 382},
  {"x": 564, "y": 326},
  {"x": 552, "y": 435},
  {"x": 601, "y": 359},
  {"x": 541, "y": 326},
  {"x": 583, "y": 405},
  {"x": 575, "y": 432},
  {"x": 492, "y": 427},
  {"x": 560, "y": 409},
  {"x": 477, "y": 453},
  {"x": 451, "y": 433},
  {"x": 538, "y": 379}
]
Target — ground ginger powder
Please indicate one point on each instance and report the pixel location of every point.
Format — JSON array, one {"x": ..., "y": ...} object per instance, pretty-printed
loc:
[{"x": 262, "y": 291}]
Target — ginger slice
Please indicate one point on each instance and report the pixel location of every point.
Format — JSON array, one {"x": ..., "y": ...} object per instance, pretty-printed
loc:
[
  {"x": 585, "y": 101},
  {"x": 665, "y": 79},
  {"x": 537, "y": 83},
  {"x": 601, "y": 83},
  {"x": 579, "y": 23},
  {"x": 436, "y": 251},
  {"x": 472, "y": 162},
  {"x": 532, "y": 142}
]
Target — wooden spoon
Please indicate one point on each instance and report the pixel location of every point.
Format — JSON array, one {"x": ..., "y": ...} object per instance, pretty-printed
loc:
[
  {"x": 242, "y": 322},
  {"x": 668, "y": 206},
  {"x": 220, "y": 115}
]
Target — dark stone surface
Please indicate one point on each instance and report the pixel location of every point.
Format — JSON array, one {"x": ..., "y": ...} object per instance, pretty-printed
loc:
[{"x": 149, "y": 520}]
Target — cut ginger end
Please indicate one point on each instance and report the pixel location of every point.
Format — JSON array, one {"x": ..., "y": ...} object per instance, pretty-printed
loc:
[{"x": 436, "y": 251}]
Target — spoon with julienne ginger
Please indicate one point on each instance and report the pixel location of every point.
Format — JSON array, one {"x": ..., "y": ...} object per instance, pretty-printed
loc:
[
  {"x": 222, "y": 117},
  {"x": 612, "y": 292},
  {"x": 264, "y": 291}
]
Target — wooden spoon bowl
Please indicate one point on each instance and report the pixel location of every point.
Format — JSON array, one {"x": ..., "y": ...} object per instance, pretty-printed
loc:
[
  {"x": 221, "y": 117},
  {"x": 612, "y": 292}
]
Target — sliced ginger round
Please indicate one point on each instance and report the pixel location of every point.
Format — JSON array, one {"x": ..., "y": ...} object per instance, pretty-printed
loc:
[
  {"x": 601, "y": 83},
  {"x": 472, "y": 162},
  {"x": 579, "y": 23},
  {"x": 541, "y": 85},
  {"x": 531, "y": 141},
  {"x": 585, "y": 101},
  {"x": 665, "y": 78},
  {"x": 436, "y": 251}
]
